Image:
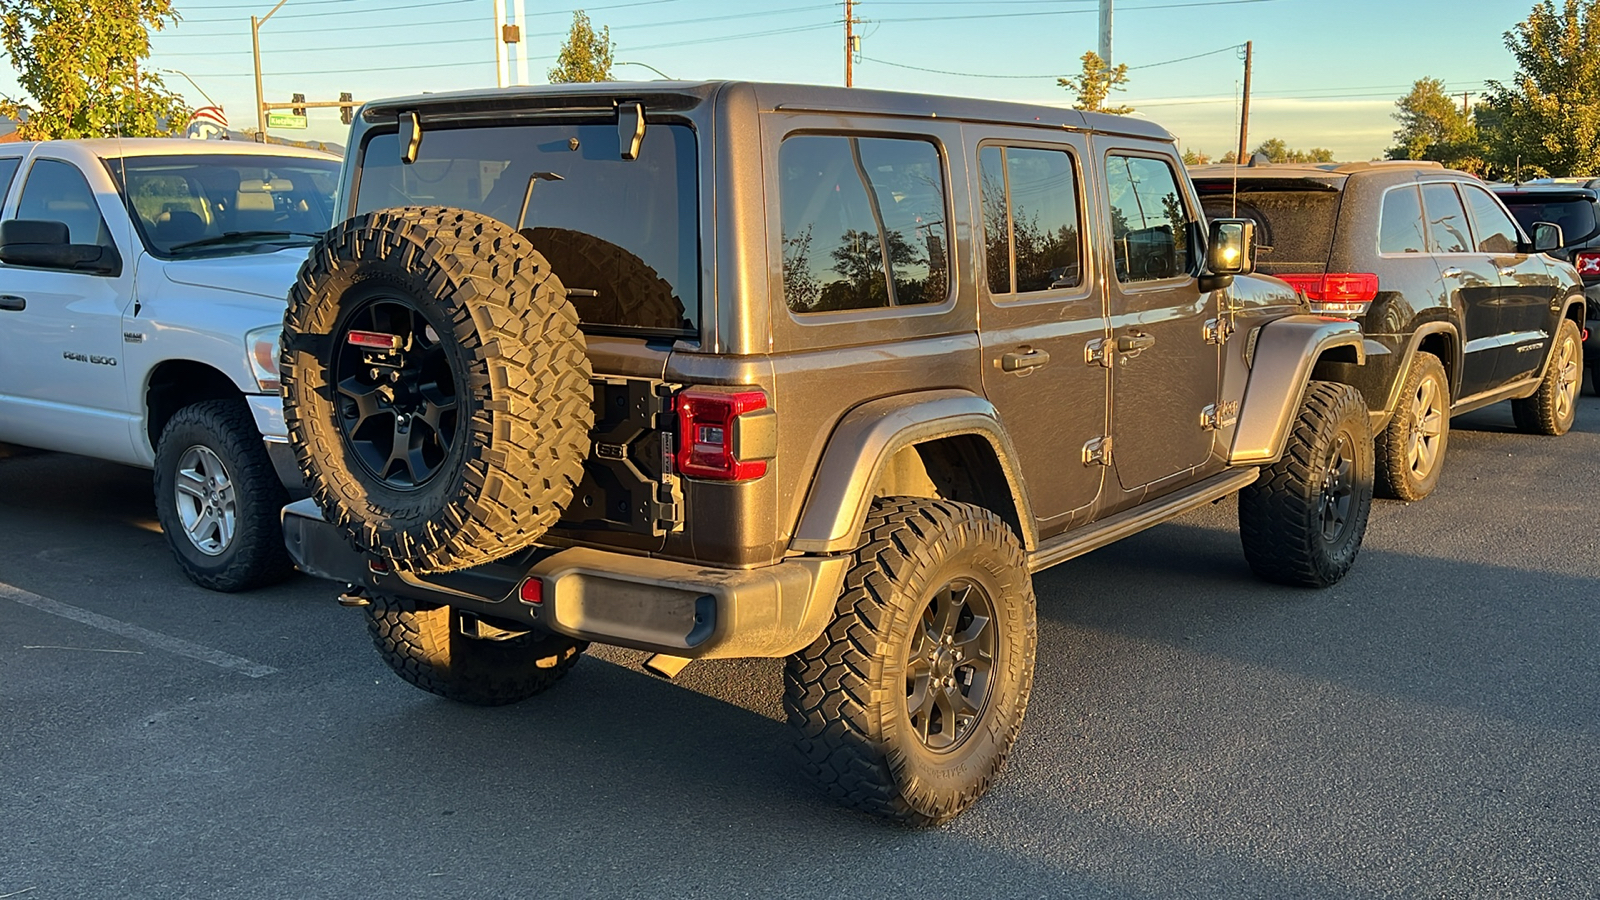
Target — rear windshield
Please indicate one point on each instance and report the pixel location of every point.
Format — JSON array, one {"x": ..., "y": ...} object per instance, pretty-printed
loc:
[
  {"x": 1294, "y": 229},
  {"x": 622, "y": 235},
  {"x": 1574, "y": 215}
]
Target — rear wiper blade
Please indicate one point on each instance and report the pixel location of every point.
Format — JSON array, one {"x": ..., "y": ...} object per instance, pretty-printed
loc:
[{"x": 229, "y": 237}]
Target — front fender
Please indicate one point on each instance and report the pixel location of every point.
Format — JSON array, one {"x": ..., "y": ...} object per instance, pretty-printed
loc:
[
  {"x": 869, "y": 436},
  {"x": 1286, "y": 350}
]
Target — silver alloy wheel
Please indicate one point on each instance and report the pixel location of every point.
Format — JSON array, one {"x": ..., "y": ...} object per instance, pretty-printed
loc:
[
  {"x": 1428, "y": 416},
  {"x": 1567, "y": 377},
  {"x": 205, "y": 500}
]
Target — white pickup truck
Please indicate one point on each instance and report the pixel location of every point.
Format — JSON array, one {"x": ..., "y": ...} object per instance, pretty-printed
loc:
[{"x": 142, "y": 288}]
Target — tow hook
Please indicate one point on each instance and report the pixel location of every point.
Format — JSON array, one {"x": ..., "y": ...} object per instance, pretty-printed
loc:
[{"x": 354, "y": 596}]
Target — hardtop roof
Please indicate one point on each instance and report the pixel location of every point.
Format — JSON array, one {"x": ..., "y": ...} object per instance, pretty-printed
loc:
[{"x": 114, "y": 148}]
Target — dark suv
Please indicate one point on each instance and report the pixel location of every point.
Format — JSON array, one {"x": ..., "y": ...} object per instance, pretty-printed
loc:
[
  {"x": 1574, "y": 204},
  {"x": 1459, "y": 307}
]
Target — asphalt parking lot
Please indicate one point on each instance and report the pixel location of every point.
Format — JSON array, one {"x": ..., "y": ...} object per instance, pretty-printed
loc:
[{"x": 1428, "y": 728}]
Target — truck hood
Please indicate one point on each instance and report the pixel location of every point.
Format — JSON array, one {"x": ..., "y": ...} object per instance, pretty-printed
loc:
[{"x": 267, "y": 275}]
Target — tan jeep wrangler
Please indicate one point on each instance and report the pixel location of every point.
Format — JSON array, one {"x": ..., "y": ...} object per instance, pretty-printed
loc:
[{"x": 747, "y": 370}]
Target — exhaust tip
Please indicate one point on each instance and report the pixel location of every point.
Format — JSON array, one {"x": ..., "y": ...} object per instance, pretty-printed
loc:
[{"x": 663, "y": 666}]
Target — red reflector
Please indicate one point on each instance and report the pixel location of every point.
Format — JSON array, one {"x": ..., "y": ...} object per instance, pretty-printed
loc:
[
  {"x": 375, "y": 339},
  {"x": 531, "y": 592},
  {"x": 1588, "y": 263},
  {"x": 706, "y": 432}
]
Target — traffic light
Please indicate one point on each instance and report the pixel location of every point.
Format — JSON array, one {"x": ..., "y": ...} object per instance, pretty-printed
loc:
[
  {"x": 298, "y": 98},
  {"x": 347, "y": 113}
]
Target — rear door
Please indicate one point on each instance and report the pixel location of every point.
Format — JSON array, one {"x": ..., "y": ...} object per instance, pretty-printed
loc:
[
  {"x": 1164, "y": 369},
  {"x": 1473, "y": 281},
  {"x": 1527, "y": 287},
  {"x": 1040, "y": 311}
]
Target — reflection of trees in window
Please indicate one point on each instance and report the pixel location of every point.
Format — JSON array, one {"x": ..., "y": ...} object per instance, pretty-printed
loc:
[
  {"x": 1030, "y": 209},
  {"x": 801, "y": 289},
  {"x": 996, "y": 245}
]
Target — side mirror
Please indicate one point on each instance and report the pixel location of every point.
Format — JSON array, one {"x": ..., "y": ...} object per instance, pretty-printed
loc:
[
  {"x": 1230, "y": 251},
  {"x": 40, "y": 244},
  {"x": 1547, "y": 236}
]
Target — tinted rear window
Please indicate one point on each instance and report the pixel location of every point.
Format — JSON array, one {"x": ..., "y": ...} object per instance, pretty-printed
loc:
[
  {"x": 622, "y": 235},
  {"x": 1294, "y": 229},
  {"x": 1575, "y": 216}
]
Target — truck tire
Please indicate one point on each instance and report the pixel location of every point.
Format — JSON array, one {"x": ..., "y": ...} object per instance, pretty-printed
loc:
[
  {"x": 419, "y": 644},
  {"x": 1554, "y": 406},
  {"x": 464, "y": 443},
  {"x": 627, "y": 290},
  {"x": 1410, "y": 450},
  {"x": 1302, "y": 521},
  {"x": 218, "y": 498},
  {"x": 908, "y": 704}
]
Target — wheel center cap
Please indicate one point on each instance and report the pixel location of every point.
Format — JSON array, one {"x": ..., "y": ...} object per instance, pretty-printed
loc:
[{"x": 944, "y": 664}]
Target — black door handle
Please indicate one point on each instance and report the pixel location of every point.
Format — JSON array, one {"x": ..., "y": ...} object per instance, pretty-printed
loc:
[{"x": 12, "y": 302}]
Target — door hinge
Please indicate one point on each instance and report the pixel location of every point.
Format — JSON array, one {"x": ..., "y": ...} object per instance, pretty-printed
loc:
[
  {"x": 1098, "y": 451},
  {"x": 1218, "y": 330},
  {"x": 1097, "y": 353},
  {"x": 1219, "y": 415}
]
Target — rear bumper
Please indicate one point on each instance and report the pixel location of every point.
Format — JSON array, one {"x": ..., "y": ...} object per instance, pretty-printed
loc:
[{"x": 675, "y": 608}]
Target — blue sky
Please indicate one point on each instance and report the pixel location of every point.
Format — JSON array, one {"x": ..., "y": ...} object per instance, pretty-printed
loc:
[{"x": 1325, "y": 74}]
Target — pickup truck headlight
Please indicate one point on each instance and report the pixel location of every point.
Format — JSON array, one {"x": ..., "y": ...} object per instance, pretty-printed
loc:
[{"x": 261, "y": 346}]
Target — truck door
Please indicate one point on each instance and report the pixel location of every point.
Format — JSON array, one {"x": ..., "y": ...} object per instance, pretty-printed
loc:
[
  {"x": 1040, "y": 309},
  {"x": 1164, "y": 367},
  {"x": 61, "y": 382}
]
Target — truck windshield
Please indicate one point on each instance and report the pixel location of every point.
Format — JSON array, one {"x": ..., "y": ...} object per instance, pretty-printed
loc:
[
  {"x": 227, "y": 203},
  {"x": 622, "y": 235}
]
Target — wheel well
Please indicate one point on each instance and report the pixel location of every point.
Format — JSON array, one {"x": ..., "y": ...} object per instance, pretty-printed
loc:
[
  {"x": 1344, "y": 353},
  {"x": 1576, "y": 312},
  {"x": 177, "y": 383},
  {"x": 1442, "y": 345},
  {"x": 962, "y": 468}
]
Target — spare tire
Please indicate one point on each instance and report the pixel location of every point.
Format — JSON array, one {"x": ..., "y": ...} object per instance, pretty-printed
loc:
[
  {"x": 435, "y": 387},
  {"x": 626, "y": 290}
]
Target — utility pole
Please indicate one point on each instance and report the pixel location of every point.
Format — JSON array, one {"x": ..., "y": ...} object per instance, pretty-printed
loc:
[
  {"x": 1105, "y": 32},
  {"x": 500, "y": 42},
  {"x": 849, "y": 43},
  {"x": 1464, "y": 110},
  {"x": 1244, "y": 111},
  {"x": 255, "y": 47}
]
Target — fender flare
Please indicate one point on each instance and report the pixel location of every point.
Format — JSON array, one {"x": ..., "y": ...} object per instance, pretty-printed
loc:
[
  {"x": 1413, "y": 345},
  {"x": 869, "y": 436},
  {"x": 1286, "y": 350}
]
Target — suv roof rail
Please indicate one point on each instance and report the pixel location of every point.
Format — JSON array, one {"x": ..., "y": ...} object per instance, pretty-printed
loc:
[{"x": 1384, "y": 164}]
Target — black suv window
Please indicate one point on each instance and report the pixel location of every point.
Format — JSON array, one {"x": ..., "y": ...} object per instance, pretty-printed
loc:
[
  {"x": 57, "y": 192},
  {"x": 1032, "y": 239},
  {"x": 853, "y": 207},
  {"x": 1149, "y": 226},
  {"x": 622, "y": 235},
  {"x": 1447, "y": 221},
  {"x": 8, "y": 171},
  {"x": 1575, "y": 215},
  {"x": 1400, "y": 224},
  {"x": 1494, "y": 229}
]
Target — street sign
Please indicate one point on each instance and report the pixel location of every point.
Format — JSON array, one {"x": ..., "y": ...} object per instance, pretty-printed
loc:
[
  {"x": 285, "y": 120},
  {"x": 208, "y": 123}
]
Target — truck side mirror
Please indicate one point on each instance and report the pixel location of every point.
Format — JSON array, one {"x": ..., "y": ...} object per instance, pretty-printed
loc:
[
  {"x": 1230, "y": 251},
  {"x": 42, "y": 244},
  {"x": 1547, "y": 236}
]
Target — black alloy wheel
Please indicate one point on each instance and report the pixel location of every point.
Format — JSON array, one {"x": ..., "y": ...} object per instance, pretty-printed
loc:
[
  {"x": 1338, "y": 491},
  {"x": 396, "y": 405},
  {"x": 949, "y": 665}
]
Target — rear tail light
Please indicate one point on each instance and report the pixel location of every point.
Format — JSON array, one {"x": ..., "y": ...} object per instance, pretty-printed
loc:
[
  {"x": 725, "y": 434},
  {"x": 1337, "y": 293},
  {"x": 1588, "y": 263},
  {"x": 531, "y": 591}
]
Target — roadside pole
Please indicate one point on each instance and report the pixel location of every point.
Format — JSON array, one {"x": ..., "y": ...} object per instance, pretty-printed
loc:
[
  {"x": 1244, "y": 112},
  {"x": 255, "y": 47}
]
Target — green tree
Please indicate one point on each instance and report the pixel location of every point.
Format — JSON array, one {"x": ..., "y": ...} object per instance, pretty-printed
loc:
[
  {"x": 79, "y": 62},
  {"x": 1433, "y": 127},
  {"x": 1192, "y": 157},
  {"x": 1278, "y": 150},
  {"x": 1549, "y": 116},
  {"x": 586, "y": 56},
  {"x": 1095, "y": 84}
]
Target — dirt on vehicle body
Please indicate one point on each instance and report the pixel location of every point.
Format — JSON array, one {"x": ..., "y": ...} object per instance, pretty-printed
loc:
[{"x": 699, "y": 369}]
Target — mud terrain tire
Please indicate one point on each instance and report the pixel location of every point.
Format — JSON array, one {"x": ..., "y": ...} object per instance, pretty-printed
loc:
[
  {"x": 877, "y": 702},
  {"x": 1302, "y": 521},
  {"x": 464, "y": 443},
  {"x": 1554, "y": 406},
  {"x": 629, "y": 292},
  {"x": 419, "y": 644}
]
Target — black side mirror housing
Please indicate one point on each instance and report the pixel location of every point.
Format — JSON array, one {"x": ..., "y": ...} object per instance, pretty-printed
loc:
[
  {"x": 37, "y": 243},
  {"x": 1547, "y": 236},
  {"x": 1230, "y": 251}
]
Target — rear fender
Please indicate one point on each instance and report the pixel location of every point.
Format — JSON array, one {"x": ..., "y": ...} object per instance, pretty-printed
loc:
[
  {"x": 1285, "y": 352},
  {"x": 865, "y": 442}
]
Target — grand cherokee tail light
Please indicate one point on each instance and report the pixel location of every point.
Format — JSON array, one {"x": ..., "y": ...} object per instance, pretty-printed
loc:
[
  {"x": 1336, "y": 293},
  {"x": 725, "y": 434}
]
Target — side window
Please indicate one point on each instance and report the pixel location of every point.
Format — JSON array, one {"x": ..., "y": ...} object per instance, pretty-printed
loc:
[
  {"x": 1149, "y": 225},
  {"x": 1495, "y": 230},
  {"x": 863, "y": 223},
  {"x": 1031, "y": 230},
  {"x": 8, "y": 171},
  {"x": 1447, "y": 221},
  {"x": 57, "y": 192},
  {"x": 1400, "y": 224}
]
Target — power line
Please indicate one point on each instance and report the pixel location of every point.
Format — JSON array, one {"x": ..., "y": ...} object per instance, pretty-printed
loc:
[
  {"x": 1069, "y": 12},
  {"x": 346, "y": 12},
  {"x": 1164, "y": 62}
]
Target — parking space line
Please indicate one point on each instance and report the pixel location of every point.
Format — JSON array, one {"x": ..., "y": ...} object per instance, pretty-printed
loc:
[{"x": 144, "y": 636}]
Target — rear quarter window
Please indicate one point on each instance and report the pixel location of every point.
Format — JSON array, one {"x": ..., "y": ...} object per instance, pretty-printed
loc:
[
  {"x": 1294, "y": 229},
  {"x": 1576, "y": 216}
]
